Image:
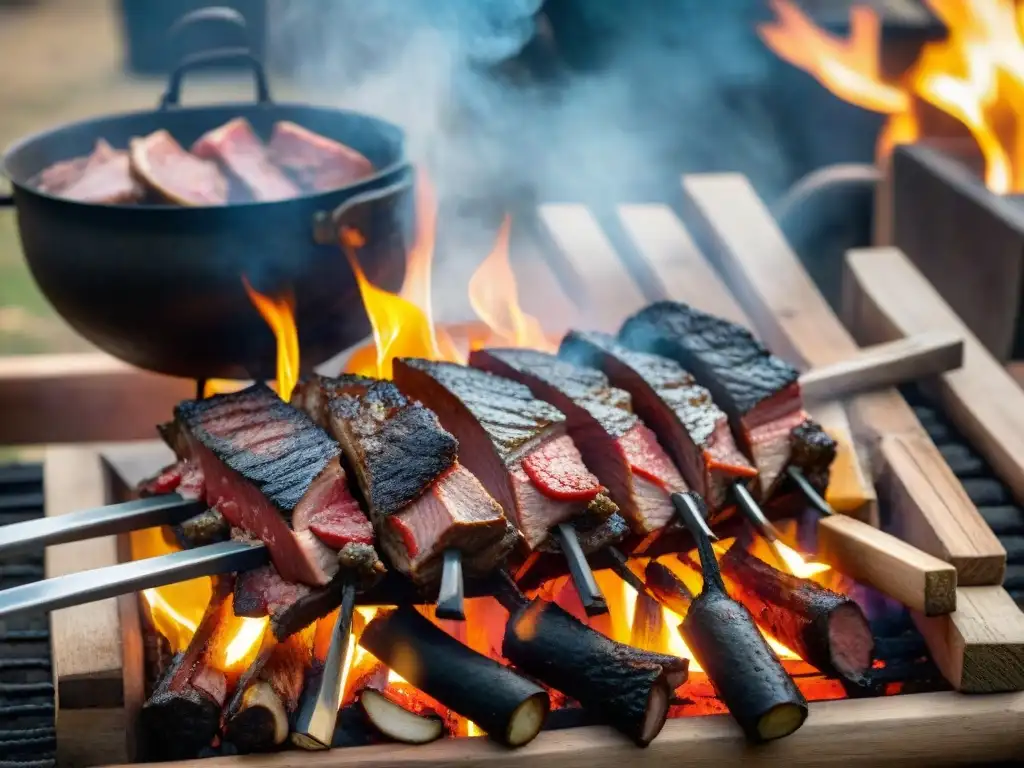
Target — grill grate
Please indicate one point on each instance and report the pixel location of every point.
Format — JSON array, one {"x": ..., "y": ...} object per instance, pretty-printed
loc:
[{"x": 28, "y": 738}]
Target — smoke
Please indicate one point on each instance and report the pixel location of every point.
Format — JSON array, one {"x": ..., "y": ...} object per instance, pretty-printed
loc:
[{"x": 594, "y": 101}]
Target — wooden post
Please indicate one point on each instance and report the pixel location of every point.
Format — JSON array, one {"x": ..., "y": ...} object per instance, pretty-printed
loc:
[
  {"x": 888, "y": 298},
  {"x": 794, "y": 318}
]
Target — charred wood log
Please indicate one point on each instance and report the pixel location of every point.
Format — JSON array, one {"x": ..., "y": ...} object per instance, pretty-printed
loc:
[
  {"x": 509, "y": 708},
  {"x": 630, "y": 688},
  {"x": 745, "y": 672},
  {"x": 398, "y": 723},
  {"x": 827, "y": 629},
  {"x": 183, "y": 714},
  {"x": 667, "y": 589}
]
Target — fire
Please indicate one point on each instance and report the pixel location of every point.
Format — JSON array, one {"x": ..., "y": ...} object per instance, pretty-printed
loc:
[
  {"x": 975, "y": 75},
  {"x": 403, "y": 324},
  {"x": 279, "y": 314},
  {"x": 796, "y": 564}
]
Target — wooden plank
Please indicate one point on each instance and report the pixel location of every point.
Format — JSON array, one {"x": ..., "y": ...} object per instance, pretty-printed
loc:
[
  {"x": 983, "y": 639},
  {"x": 82, "y": 398},
  {"x": 918, "y": 580},
  {"x": 888, "y": 364},
  {"x": 686, "y": 275},
  {"x": 933, "y": 729},
  {"x": 890, "y": 299},
  {"x": 86, "y": 639},
  {"x": 602, "y": 286},
  {"x": 792, "y": 315}
]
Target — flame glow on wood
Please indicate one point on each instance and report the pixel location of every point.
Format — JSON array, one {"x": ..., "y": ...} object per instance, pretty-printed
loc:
[{"x": 975, "y": 74}]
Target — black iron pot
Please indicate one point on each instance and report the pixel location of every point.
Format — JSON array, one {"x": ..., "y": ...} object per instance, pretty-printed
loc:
[{"x": 161, "y": 287}]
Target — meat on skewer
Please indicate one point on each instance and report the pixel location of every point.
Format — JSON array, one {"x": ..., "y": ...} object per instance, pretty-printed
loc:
[
  {"x": 614, "y": 443},
  {"x": 421, "y": 499},
  {"x": 759, "y": 392},
  {"x": 276, "y": 476},
  {"x": 682, "y": 414}
]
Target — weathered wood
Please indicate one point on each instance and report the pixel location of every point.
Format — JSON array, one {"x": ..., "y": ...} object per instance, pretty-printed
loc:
[
  {"x": 82, "y": 398},
  {"x": 934, "y": 729},
  {"x": 890, "y": 299},
  {"x": 979, "y": 647},
  {"x": 793, "y": 317},
  {"x": 968, "y": 242},
  {"x": 883, "y": 365},
  {"x": 685, "y": 274}
]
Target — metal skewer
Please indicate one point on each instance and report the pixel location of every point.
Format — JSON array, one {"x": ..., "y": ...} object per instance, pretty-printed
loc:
[
  {"x": 450, "y": 594},
  {"x": 753, "y": 512},
  {"x": 101, "y": 583},
  {"x": 582, "y": 577},
  {"x": 135, "y": 515},
  {"x": 817, "y": 500},
  {"x": 318, "y": 710}
]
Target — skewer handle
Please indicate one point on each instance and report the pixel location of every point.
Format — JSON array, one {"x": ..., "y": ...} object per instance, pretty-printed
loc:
[
  {"x": 101, "y": 583},
  {"x": 101, "y": 521},
  {"x": 321, "y": 698},
  {"x": 582, "y": 577},
  {"x": 450, "y": 595},
  {"x": 752, "y": 511}
]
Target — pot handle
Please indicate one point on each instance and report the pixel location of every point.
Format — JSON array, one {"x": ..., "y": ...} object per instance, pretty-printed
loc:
[
  {"x": 359, "y": 213},
  {"x": 227, "y": 18},
  {"x": 6, "y": 201}
]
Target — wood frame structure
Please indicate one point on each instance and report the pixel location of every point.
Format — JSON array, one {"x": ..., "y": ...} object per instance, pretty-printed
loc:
[{"x": 654, "y": 258}]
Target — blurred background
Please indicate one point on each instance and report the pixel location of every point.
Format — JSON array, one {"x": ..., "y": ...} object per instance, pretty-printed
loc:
[{"x": 508, "y": 102}]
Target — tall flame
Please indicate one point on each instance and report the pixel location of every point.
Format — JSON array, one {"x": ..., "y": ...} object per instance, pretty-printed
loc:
[
  {"x": 975, "y": 75},
  {"x": 279, "y": 314},
  {"x": 494, "y": 296}
]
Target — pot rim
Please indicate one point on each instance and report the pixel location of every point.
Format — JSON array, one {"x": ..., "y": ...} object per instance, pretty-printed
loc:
[{"x": 400, "y": 163}]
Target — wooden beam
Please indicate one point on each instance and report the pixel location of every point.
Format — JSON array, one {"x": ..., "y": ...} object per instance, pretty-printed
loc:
[
  {"x": 888, "y": 298},
  {"x": 980, "y": 647},
  {"x": 934, "y": 729},
  {"x": 82, "y": 398},
  {"x": 685, "y": 274},
  {"x": 883, "y": 365},
  {"x": 792, "y": 315}
]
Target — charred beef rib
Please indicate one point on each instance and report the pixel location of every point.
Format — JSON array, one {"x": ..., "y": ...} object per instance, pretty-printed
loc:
[
  {"x": 694, "y": 430},
  {"x": 239, "y": 151},
  {"x": 614, "y": 443},
  {"x": 759, "y": 392},
  {"x": 518, "y": 447},
  {"x": 277, "y": 476},
  {"x": 318, "y": 163},
  {"x": 421, "y": 499}
]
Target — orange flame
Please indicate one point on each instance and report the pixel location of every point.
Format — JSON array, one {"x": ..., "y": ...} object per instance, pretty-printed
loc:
[
  {"x": 279, "y": 314},
  {"x": 494, "y": 296},
  {"x": 976, "y": 75},
  {"x": 796, "y": 564}
]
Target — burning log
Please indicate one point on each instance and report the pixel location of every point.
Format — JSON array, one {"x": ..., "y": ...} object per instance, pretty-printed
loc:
[
  {"x": 746, "y": 673},
  {"x": 667, "y": 589},
  {"x": 183, "y": 714},
  {"x": 508, "y": 707},
  {"x": 630, "y": 688},
  {"x": 260, "y": 723},
  {"x": 398, "y": 723},
  {"x": 827, "y": 629}
]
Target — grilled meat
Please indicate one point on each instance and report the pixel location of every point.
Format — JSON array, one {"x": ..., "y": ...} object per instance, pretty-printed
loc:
[
  {"x": 694, "y": 430},
  {"x": 102, "y": 177},
  {"x": 175, "y": 175},
  {"x": 614, "y": 443},
  {"x": 421, "y": 499},
  {"x": 318, "y": 163},
  {"x": 516, "y": 445},
  {"x": 265, "y": 464},
  {"x": 241, "y": 154},
  {"x": 759, "y": 392}
]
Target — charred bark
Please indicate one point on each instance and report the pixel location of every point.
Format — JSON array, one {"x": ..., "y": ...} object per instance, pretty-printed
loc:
[
  {"x": 630, "y": 688},
  {"x": 827, "y": 629},
  {"x": 509, "y": 708},
  {"x": 745, "y": 671},
  {"x": 667, "y": 589}
]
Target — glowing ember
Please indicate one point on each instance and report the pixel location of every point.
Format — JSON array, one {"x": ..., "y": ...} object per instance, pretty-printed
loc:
[
  {"x": 244, "y": 641},
  {"x": 976, "y": 75},
  {"x": 279, "y": 314}
]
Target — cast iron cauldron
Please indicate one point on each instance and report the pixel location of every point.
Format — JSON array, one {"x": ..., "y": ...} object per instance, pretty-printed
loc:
[{"x": 161, "y": 287}]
